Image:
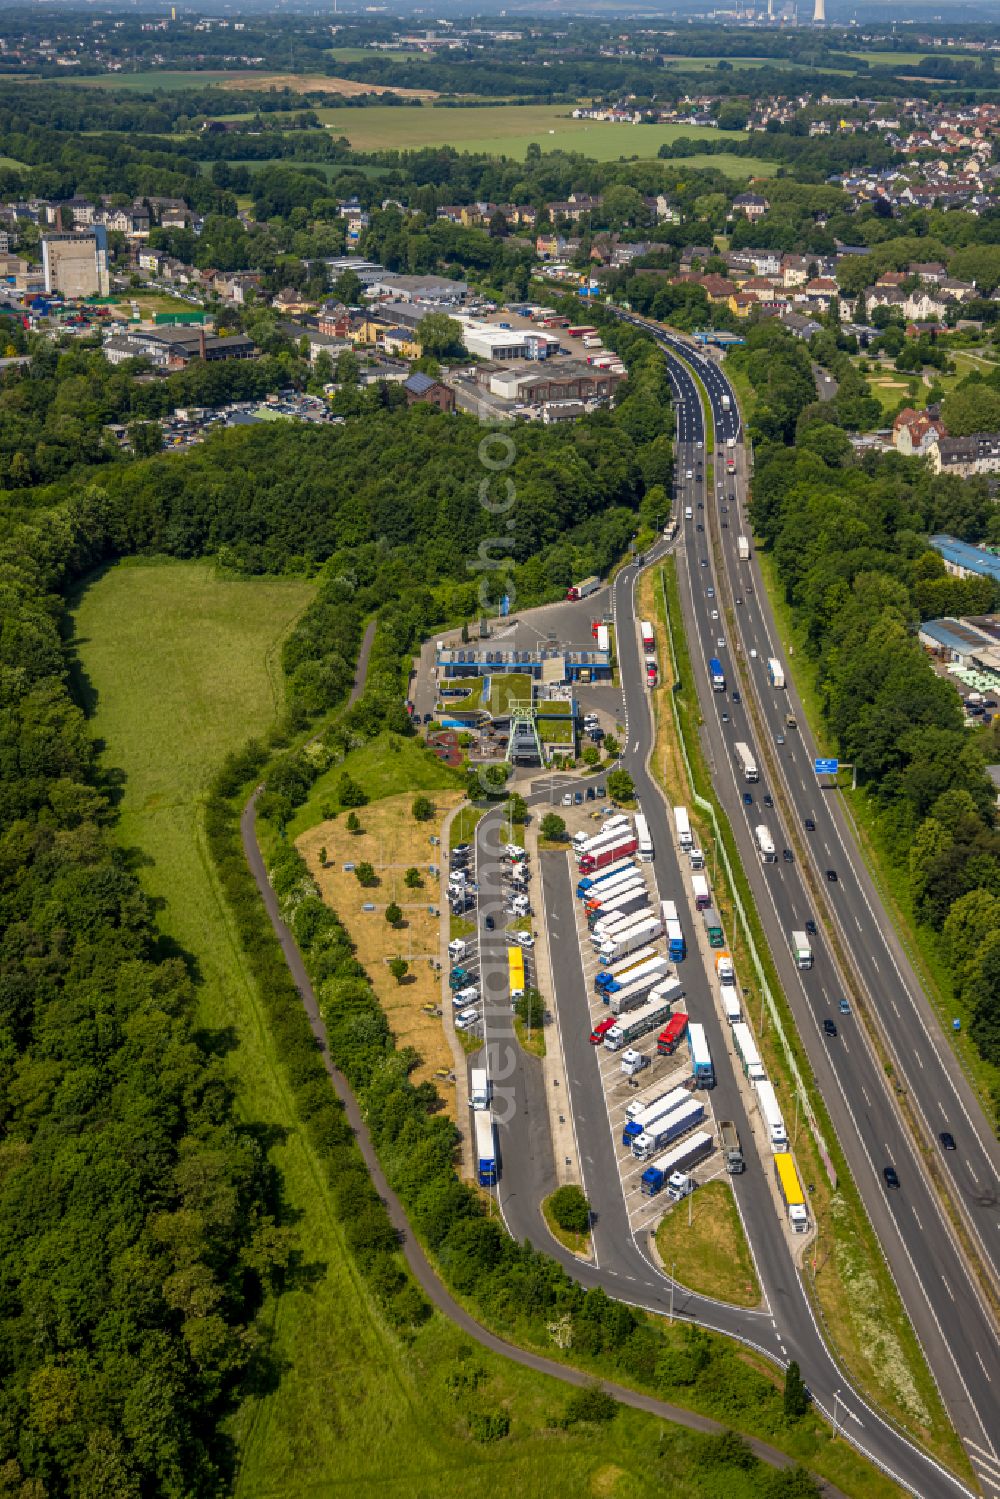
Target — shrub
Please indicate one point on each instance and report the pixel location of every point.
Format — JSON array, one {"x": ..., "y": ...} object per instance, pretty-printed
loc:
[{"x": 570, "y": 1209}]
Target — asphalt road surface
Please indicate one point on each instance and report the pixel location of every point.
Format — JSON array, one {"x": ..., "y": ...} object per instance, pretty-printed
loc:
[{"x": 941, "y": 1294}]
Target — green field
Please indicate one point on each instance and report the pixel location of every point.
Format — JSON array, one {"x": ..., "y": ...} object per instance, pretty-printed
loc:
[
  {"x": 887, "y": 59},
  {"x": 503, "y": 130},
  {"x": 372, "y": 54},
  {"x": 146, "y": 82},
  {"x": 176, "y": 668}
]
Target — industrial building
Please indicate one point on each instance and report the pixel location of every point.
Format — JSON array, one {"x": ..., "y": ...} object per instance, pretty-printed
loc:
[
  {"x": 964, "y": 560},
  {"x": 565, "y": 380},
  {"x": 544, "y": 664},
  {"x": 76, "y": 265},
  {"x": 488, "y": 341}
]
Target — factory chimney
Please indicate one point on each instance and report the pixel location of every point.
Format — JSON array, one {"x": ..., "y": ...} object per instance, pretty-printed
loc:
[{"x": 819, "y": 13}]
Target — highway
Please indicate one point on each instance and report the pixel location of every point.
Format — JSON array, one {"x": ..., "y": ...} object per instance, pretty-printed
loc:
[
  {"x": 941, "y": 1294},
  {"x": 786, "y": 1328}
]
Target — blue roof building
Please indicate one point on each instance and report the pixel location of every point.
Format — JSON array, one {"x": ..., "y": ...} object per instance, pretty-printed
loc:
[{"x": 962, "y": 558}]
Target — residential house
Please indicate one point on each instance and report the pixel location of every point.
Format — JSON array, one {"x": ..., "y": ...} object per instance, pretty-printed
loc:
[
  {"x": 930, "y": 271},
  {"x": 291, "y": 302},
  {"x": 237, "y": 286},
  {"x": 795, "y": 270},
  {"x": 751, "y": 205},
  {"x": 425, "y": 390},
  {"x": 966, "y": 456},
  {"x": 334, "y": 320},
  {"x": 914, "y": 433}
]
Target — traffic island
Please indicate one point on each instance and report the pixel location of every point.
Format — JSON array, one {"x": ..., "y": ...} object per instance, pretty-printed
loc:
[
  {"x": 577, "y": 1241},
  {"x": 701, "y": 1245}
]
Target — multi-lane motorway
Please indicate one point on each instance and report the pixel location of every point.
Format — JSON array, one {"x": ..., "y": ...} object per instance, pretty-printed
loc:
[
  {"x": 941, "y": 1293},
  {"x": 939, "y": 1290}
]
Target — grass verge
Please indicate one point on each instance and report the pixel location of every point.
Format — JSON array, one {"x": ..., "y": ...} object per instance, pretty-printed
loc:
[
  {"x": 576, "y": 1243},
  {"x": 850, "y": 1283},
  {"x": 702, "y": 1243},
  {"x": 464, "y": 825},
  {"x": 532, "y": 1041}
]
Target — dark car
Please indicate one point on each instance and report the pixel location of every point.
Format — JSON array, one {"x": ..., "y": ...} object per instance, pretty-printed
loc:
[
  {"x": 724, "y": 524},
  {"x": 739, "y": 600},
  {"x": 947, "y": 1140},
  {"x": 891, "y": 1178},
  {"x": 490, "y": 923},
  {"x": 787, "y": 855},
  {"x": 699, "y": 527},
  {"x": 811, "y": 929},
  {"x": 428, "y": 718},
  {"x": 829, "y": 1027},
  {"x": 810, "y": 825},
  {"x": 747, "y": 799},
  {"x": 591, "y": 793},
  {"x": 831, "y": 875},
  {"x": 736, "y": 697},
  {"x": 704, "y": 560},
  {"x": 724, "y": 509},
  {"x": 768, "y": 799},
  {"x": 600, "y": 791},
  {"x": 701, "y": 504},
  {"x": 578, "y": 797}
]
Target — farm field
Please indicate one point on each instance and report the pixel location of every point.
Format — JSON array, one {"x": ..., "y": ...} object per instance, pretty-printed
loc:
[
  {"x": 503, "y": 130},
  {"x": 243, "y": 79}
]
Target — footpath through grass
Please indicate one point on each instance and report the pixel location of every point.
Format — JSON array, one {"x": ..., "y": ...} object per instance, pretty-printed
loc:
[
  {"x": 702, "y": 1243},
  {"x": 178, "y": 668},
  {"x": 850, "y": 1282}
]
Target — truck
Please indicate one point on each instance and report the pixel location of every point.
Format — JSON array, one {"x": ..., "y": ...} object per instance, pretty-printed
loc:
[
  {"x": 672, "y": 1034},
  {"x": 652, "y": 676},
  {"x": 633, "y": 1062},
  {"x": 486, "y": 1149},
  {"x": 581, "y": 330},
  {"x": 790, "y": 1191},
  {"x": 676, "y": 947},
  {"x": 625, "y": 907},
  {"x": 457, "y": 949},
  {"x": 743, "y": 548},
  {"x": 731, "y": 1007},
  {"x": 656, "y": 965},
  {"x": 604, "y": 905},
  {"x": 675, "y": 1163},
  {"x": 645, "y": 841},
  {"x": 702, "y": 894},
  {"x": 746, "y": 1050},
  {"x": 775, "y": 672},
  {"x": 592, "y": 341},
  {"x": 590, "y": 882},
  {"x": 701, "y": 1056},
  {"x": 646, "y": 929},
  {"x": 682, "y": 826},
  {"x": 774, "y": 1123},
  {"x": 646, "y": 1018},
  {"x": 634, "y": 994},
  {"x": 584, "y": 588},
  {"x": 765, "y": 844},
  {"x": 601, "y": 1029},
  {"x": 746, "y": 762},
  {"x": 639, "y": 1116},
  {"x": 713, "y": 926},
  {"x": 732, "y": 1151},
  {"x": 727, "y": 404},
  {"x": 669, "y": 1127},
  {"x": 801, "y": 950},
  {"x": 634, "y": 960},
  {"x": 615, "y": 846},
  {"x": 612, "y": 927},
  {"x": 583, "y": 841},
  {"x": 724, "y": 970},
  {"x": 648, "y": 638},
  {"x": 479, "y": 1088},
  {"x": 716, "y": 674},
  {"x": 668, "y": 909},
  {"x": 603, "y": 638},
  {"x": 625, "y": 879}
]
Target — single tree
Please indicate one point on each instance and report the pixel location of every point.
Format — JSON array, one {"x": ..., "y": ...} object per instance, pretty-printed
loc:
[
  {"x": 349, "y": 793},
  {"x": 393, "y": 914},
  {"x": 620, "y": 786},
  {"x": 399, "y": 968},
  {"x": 518, "y": 810},
  {"x": 322, "y": 858},
  {"x": 353, "y": 823},
  {"x": 552, "y": 826},
  {"x": 591, "y": 755},
  {"x": 413, "y": 879},
  {"x": 530, "y": 1009},
  {"x": 796, "y": 1397},
  {"x": 611, "y": 746},
  {"x": 570, "y": 1209},
  {"x": 366, "y": 875},
  {"x": 423, "y": 808}
]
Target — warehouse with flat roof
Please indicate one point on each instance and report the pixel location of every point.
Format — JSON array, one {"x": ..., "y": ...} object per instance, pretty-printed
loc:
[{"x": 964, "y": 560}]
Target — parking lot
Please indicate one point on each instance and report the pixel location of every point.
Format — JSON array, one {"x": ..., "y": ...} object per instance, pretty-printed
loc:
[{"x": 513, "y": 921}]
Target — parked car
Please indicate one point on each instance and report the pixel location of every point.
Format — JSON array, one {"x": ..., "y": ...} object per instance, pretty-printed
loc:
[{"x": 467, "y": 1020}]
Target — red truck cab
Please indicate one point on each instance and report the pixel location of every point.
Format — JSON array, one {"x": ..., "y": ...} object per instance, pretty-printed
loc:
[{"x": 601, "y": 1029}]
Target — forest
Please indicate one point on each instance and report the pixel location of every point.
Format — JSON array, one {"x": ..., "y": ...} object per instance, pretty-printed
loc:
[
  {"x": 139, "y": 1220},
  {"x": 849, "y": 543}
]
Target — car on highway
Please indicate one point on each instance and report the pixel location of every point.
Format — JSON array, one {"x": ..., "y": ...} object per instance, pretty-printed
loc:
[
  {"x": 747, "y": 799},
  {"x": 710, "y": 593},
  {"x": 467, "y": 1020},
  {"x": 831, "y": 875},
  {"x": 701, "y": 504},
  {"x": 736, "y": 697},
  {"x": 720, "y": 643},
  {"x": 724, "y": 524},
  {"x": 809, "y": 825},
  {"x": 724, "y": 509},
  {"x": 490, "y": 924},
  {"x": 704, "y": 560},
  {"x": 844, "y": 1006},
  {"x": 829, "y": 1027},
  {"x": 811, "y": 929},
  {"x": 738, "y": 599},
  {"x": 891, "y": 1178},
  {"x": 768, "y": 799},
  {"x": 699, "y": 527},
  {"x": 725, "y": 718},
  {"x": 947, "y": 1140},
  {"x": 787, "y": 855},
  {"x": 715, "y": 613}
]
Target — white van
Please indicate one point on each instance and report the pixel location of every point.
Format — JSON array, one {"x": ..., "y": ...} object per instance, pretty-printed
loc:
[
  {"x": 465, "y": 997},
  {"x": 457, "y": 949},
  {"x": 521, "y": 906},
  {"x": 688, "y": 513}
]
